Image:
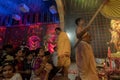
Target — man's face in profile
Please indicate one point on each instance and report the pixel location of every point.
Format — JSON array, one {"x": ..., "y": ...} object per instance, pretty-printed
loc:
[{"x": 57, "y": 32}]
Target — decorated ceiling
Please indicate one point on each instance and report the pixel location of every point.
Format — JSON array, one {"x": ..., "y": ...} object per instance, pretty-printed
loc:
[{"x": 14, "y": 11}]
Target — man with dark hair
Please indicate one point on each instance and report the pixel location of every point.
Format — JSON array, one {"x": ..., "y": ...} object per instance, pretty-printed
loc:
[
  {"x": 78, "y": 20},
  {"x": 63, "y": 54},
  {"x": 63, "y": 50},
  {"x": 58, "y": 28}
]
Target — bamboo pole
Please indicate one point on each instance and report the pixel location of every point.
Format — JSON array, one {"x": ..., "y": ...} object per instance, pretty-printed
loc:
[
  {"x": 92, "y": 19},
  {"x": 61, "y": 12}
]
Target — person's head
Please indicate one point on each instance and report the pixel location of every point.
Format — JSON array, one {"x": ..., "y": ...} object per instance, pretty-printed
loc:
[
  {"x": 34, "y": 53},
  {"x": 58, "y": 30},
  {"x": 8, "y": 48},
  {"x": 55, "y": 48},
  {"x": 8, "y": 69},
  {"x": 47, "y": 53},
  {"x": 79, "y": 21},
  {"x": 19, "y": 54},
  {"x": 29, "y": 56},
  {"x": 25, "y": 51},
  {"x": 40, "y": 52},
  {"x": 46, "y": 56}
]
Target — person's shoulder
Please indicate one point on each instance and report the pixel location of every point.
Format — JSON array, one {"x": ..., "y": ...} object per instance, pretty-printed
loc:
[
  {"x": 63, "y": 32},
  {"x": 16, "y": 76}
]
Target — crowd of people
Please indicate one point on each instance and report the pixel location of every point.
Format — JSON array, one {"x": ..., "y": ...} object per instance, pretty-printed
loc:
[
  {"x": 39, "y": 64},
  {"x": 23, "y": 64}
]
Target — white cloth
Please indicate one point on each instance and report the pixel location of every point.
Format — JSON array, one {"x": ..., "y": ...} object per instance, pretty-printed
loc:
[
  {"x": 33, "y": 77},
  {"x": 55, "y": 58},
  {"x": 16, "y": 76}
]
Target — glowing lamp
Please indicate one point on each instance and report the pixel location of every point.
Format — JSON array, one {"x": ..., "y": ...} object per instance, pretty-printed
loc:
[
  {"x": 24, "y": 8},
  {"x": 16, "y": 17},
  {"x": 52, "y": 9}
]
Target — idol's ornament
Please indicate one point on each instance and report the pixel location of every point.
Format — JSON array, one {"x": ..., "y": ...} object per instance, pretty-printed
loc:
[{"x": 115, "y": 34}]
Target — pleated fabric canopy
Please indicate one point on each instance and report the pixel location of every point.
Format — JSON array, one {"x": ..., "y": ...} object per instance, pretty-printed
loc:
[{"x": 111, "y": 9}]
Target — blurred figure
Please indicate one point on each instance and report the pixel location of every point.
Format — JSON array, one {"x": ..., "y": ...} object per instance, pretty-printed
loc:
[
  {"x": 63, "y": 51},
  {"x": 84, "y": 53},
  {"x": 7, "y": 53},
  {"x": 27, "y": 68},
  {"x": 40, "y": 65},
  {"x": 40, "y": 70},
  {"x": 19, "y": 58}
]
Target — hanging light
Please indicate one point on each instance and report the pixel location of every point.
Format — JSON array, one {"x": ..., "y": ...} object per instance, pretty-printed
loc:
[
  {"x": 52, "y": 9},
  {"x": 24, "y": 8},
  {"x": 16, "y": 17}
]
